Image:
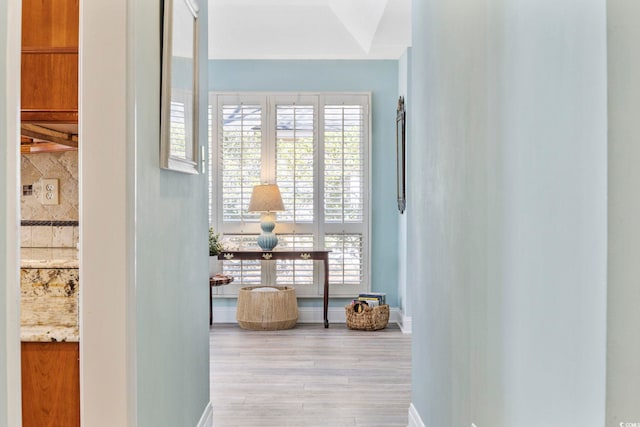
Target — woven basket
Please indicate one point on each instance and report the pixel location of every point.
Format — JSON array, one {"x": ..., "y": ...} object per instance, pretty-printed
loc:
[
  {"x": 371, "y": 319},
  {"x": 267, "y": 311}
]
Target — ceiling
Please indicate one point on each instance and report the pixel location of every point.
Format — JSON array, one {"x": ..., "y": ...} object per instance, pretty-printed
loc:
[{"x": 309, "y": 29}]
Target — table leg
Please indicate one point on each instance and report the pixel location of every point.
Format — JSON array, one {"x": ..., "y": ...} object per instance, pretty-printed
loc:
[
  {"x": 210, "y": 305},
  {"x": 326, "y": 290}
]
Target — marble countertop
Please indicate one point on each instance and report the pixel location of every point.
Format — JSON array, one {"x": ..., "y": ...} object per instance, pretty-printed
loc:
[
  {"x": 49, "y": 334},
  {"x": 49, "y": 258},
  {"x": 49, "y": 289}
]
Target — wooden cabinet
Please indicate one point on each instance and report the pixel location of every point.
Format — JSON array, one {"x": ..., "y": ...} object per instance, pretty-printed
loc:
[
  {"x": 50, "y": 384},
  {"x": 49, "y": 87}
]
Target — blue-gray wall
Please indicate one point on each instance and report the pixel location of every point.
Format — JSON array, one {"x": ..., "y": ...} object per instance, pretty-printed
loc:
[
  {"x": 378, "y": 77},
  {"x": 171, "y": 251},
  {"x": 507, "y": 212},
  {"x": 623, "y": 315}
]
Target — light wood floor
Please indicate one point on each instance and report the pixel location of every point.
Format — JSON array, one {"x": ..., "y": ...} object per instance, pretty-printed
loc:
[{"x": 310, "y": 376}]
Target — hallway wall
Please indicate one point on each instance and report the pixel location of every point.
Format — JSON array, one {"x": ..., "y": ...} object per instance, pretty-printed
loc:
[
  {"x": 623, "y": 315},
  {"x": 508, "y": 218},
  {"x": 448, "y": 198},
  {"x": 144, "y": 330},
  {"x": 172, "y": 257}
]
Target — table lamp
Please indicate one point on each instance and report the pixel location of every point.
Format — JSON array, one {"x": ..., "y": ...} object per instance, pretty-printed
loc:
[{"x": 266, "y": 199}]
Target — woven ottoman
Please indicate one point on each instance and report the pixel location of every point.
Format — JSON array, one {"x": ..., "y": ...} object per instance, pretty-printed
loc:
[{"x": 267, "y": 308}]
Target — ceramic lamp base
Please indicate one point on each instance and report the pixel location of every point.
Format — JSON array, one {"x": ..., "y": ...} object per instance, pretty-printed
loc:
[{"x": 267, "y": 240}]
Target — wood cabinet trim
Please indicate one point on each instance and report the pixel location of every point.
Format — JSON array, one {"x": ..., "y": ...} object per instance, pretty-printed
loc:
[{"x": 44, "y": 49}]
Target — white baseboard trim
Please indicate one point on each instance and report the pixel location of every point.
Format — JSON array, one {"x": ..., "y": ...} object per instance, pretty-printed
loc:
[
  {"x": 414, "y": 417},
  {"x": 404, "y": 322},
  {"x": 206, "y": 420},
  {"x": 305, "y": 315}
]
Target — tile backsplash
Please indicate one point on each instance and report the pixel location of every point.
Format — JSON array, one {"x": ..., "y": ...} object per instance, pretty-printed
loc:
[
  {"x": 45, "y": 226},
  {"x": 62, "y": 166},
  {"x": 49, "y": 236}
]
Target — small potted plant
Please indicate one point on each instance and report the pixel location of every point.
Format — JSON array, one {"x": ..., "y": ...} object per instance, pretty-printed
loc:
[{"x": 215, "y": 248}]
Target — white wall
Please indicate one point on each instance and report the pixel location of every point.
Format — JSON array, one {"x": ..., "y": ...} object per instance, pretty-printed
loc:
[
  {"x": 508, "y": 182},
  {"x": 10, "y": 408},
  {"x": 623, "y": 314}
]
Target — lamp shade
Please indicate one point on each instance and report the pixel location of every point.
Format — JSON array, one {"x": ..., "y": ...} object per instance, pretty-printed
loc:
[{"x": 266, "y": 198}]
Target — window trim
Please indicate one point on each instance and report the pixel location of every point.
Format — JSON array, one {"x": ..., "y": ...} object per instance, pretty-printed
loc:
[{"x": 267, "y": 100}]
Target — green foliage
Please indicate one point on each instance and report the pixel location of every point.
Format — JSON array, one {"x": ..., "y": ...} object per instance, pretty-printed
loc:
[{"x": 215, "y": 245}]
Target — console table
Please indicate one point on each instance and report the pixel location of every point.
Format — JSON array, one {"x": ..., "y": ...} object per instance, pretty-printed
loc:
[{"x": 290, "y": 255}]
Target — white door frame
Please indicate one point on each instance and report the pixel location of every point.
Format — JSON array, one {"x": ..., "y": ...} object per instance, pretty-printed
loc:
[
  {"x": 107, "y": 310},
  {"x": 11, "y": 171}
]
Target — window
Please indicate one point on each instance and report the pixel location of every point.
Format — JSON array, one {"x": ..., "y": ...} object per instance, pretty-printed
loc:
[{"x": 316, "y": 148}]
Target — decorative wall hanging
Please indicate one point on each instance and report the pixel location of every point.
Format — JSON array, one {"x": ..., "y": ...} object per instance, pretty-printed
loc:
[{"x": 401, "y": 155}]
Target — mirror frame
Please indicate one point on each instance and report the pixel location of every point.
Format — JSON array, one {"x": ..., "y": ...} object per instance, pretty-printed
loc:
[
  {"x": 171, "y": 92},
  {"x": 401, "y": 155}
]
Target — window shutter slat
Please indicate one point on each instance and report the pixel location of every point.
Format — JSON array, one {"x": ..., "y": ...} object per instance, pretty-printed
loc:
[
  {"x": 246, "y": 272},
  {"x": 294, "y": 161},
  {"x": 345, "y": 259},
  {"x": 241, "y": 137},
  {"x": 344, "y": 163},
  {"x": 294, "y": 272}
]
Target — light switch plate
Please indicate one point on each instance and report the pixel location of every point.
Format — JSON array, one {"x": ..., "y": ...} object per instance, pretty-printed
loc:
[{"x": 50, "y": 191}]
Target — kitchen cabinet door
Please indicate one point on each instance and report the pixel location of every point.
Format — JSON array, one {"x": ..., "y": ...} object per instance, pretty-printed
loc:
[
  {"x": 49, "y": 87},
  {"x": 50, "y": 384}
]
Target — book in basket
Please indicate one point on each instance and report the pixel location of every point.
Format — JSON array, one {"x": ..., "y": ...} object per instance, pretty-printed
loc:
[{"x": 380, "y": 296}]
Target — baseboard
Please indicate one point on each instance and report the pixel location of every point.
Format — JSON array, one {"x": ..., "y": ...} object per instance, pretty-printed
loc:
[
  {"x": 404, "y": 322},
  {"x": 414, "y": 417},
  {"x": 305, "y": 315},
  {"x": 206, "y": 420}
]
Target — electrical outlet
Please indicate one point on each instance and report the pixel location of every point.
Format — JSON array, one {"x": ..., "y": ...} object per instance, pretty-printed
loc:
[
  {"x": 473, "y": 425},
  {"x": 50, "y": 192}
]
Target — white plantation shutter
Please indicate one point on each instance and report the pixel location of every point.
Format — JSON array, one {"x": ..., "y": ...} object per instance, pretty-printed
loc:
[
  {"x": 295, "y": 135},
  {"x": 241, "y": 138},
  {"x": 245, "y": 272},
  {"x": 344, "y": 163},
  {"x": 345, "y": 259},
  {"x": 294, "y": 272},
  {"x": 345, "y": 174},
  {"x": 315, "y": 147}
]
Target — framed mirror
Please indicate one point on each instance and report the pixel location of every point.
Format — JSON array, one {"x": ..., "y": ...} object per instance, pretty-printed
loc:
[
  {"x": 401, "y": 155},
  {"x": 179, "y": 99}
]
